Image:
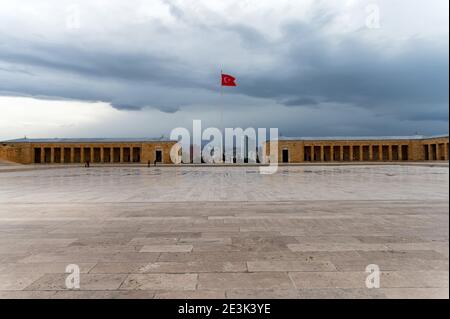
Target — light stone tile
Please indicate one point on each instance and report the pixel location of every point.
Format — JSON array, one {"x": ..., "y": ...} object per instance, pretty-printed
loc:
[
  {"x": 87, "y": 282},
  {"x": 416, "y": 293},
  {"x": 185, "y": 234},
  {"x": 223, "y": 256},
  {"x": 206, "y": 240},
  {"x": 397, "y": 265},
  {"x": 153, "y": 241},
  {"x": 415, "y": 279},
  {"x": 21, "y": 294},
  {"x": 228, "y": 281},
  {"x": 292, "y": 183},
  {"x": 262, "y": 294},
  {"x": 166, "y": 248},
  {"x": 90, "y": 257},
  {"x": 103, "y": 294},
  {"x": 118, "y": 239},
  {"x": 193, "y": 267},
  {"x": 374, "y": 257},
  {"x": 289, "y": 265},
  {"x": 117, "y": 268},
  {"x": 437, "y": 246},
  {"x": 13, "y": 257},
  {"x": 194, "y": 294},
  {"x": 347, "y": 279},
  {"x": 336, "y": 247},
  {"x": 85, "y": 217},
  {"x": 43, "y": 268},
  {"x": 17, "y": 281},
  {"x": 326, "y": 239},
  {"x": 160, "y": 282},
  {"x": 335, "y": 257},
  {"x": 388, "y": 239},
  {"x": 341, "y": 293},
  {"x": 354, "y": 279}
]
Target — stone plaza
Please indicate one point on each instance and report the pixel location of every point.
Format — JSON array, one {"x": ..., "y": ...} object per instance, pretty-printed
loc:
[{"x": 307, "y": 231}]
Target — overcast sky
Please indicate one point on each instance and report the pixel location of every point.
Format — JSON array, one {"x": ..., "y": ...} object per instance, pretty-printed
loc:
[{"x": 108, "y": 68}]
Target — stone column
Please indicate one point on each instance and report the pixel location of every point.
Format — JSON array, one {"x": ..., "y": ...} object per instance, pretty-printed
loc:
[
  {"x": 72, "y": 154},
  {"x": 390, "y": 152},
  {"x": 62, "y": 155},
  {"x": 351, "y": 152},
  {"x": 102, "y": 154},
  {"x": 370, "y": 152},
  {"x": 322, "y": 153},
  {"x": 42, "y": 155},
  {"x": 380, "y": 152},
  {"x": 52, "y": 155},
  {"x": 121, "y": 154},
  {"x": 430, "y": 152},
  {"x": 437, "y": 152},
  {"x": 332, "y": 153},
  {"x": 341, "y": 153},
  {"x": 361, "y": 155},
  {"x": 400, "y": 152}
]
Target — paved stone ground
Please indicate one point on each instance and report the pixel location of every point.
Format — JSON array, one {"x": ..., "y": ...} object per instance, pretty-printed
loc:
[{"x": 217, "y": 232}]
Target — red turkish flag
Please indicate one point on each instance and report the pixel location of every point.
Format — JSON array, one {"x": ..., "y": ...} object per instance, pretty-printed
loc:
[{"x": 228, "y": 80}]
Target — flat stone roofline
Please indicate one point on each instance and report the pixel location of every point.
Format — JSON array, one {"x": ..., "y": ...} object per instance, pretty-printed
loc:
[
  {"x": 162, "y": 139},
  {"x": 86, "y": 140},
  {"x": 362, "y": 138}
]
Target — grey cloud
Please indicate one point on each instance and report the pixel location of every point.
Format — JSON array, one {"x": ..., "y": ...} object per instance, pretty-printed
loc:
[
  {"x": 251, "y": 38},
  {"x": 126, "y": 80},
  {"x": 309, "y": 67},
  {"x": 301, "y": 101},
  {"x": 98, "y": 63},
  {"x": 351, "y": 72},
  {"x": 126, "y": 107}
]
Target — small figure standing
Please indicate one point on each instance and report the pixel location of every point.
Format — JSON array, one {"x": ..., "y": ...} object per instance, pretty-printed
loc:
[
  {"x": 148, "y": 163},
  {"x": 86, "y": 164}
]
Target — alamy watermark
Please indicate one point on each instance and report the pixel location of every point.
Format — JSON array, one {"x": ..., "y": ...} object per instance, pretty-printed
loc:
[
  {"x": 373, "y": 279},
  {"x": 73, "y": 277},
  {"x": 373, "y": 16},
  {"x": 73, "y": 20},
  {"x": 237, "y": 146}
]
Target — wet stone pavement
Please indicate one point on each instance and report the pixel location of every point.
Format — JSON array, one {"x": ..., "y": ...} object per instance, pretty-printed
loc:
[{"x": 225, "y": 232}]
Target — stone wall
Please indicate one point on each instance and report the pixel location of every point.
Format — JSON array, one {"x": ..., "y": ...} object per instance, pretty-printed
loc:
[
  {"x": 55, "y": 153},
  {"x": 16, "y": 152},
  {"x": 299, "y": 151},
  {"x": 289, "y": 151}
]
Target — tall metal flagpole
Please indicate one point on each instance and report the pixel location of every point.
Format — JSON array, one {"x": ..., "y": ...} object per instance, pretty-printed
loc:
[
  {"x": 221, "y": 106},
  {"x": 221, "y": 116}
]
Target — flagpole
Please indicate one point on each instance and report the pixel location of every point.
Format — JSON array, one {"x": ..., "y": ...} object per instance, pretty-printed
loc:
[
  {"x": 221, "y": 106},
  {"x": 221, "y": 115}
]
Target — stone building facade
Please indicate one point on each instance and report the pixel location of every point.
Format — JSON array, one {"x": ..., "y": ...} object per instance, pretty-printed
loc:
[
  {"x": 352, "y": 149},
  {"x": 68, "y": 151},
  {"x": 290, "y": 150}
]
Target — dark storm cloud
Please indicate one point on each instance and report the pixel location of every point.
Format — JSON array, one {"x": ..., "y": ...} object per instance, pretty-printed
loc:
[
  {"x": 100, "y": 63},
  {"x": 126, "y": 80},
  {"x": 308, "y": 67},
  {"x": 347, "y": 71}
]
